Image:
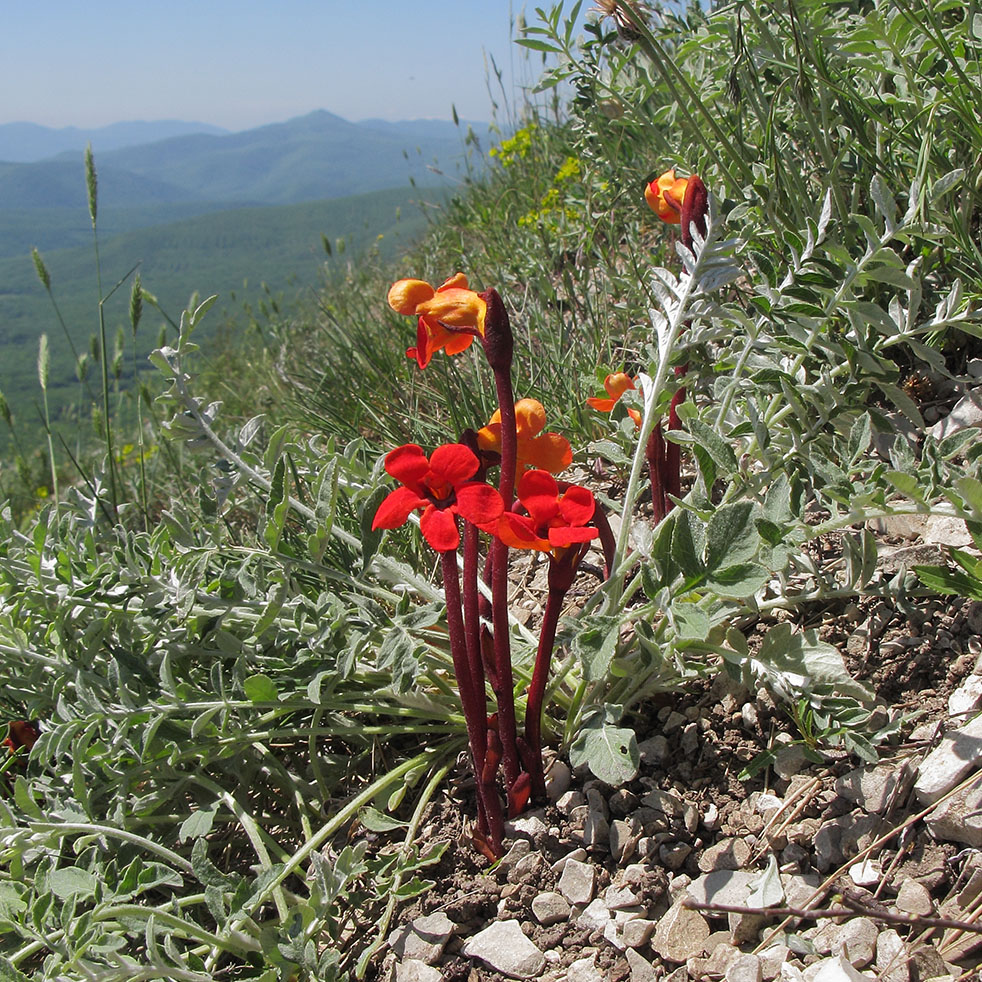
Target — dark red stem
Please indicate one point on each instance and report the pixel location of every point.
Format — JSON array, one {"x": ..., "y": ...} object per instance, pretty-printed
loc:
[
  {"x": 504, "y": 687},
  {"x": 474, "y": 708},
  {"x": 537, "y": 691},
  {"x": 472, "y": 628},
  {"x": 655, "y": 454}
]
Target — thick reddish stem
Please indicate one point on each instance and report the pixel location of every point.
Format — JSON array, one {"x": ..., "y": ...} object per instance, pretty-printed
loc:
[
  {"x": 537, "y": 690},
  {"x": 472, "y": 629},
  {"x": 504, "y": 688},
  {"x": 473, "y": 707},
  {"x": 655, "y": 454}
]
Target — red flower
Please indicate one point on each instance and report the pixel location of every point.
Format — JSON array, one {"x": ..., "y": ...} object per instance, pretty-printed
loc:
[
  {"x": 442, "y": 488},
  {"x": 555, "y": 521}
]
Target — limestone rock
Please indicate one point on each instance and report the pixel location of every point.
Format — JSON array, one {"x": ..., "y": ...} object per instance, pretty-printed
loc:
[
  {"x": 959, "y": 818},
  {"x": 576, "y": 882},
  {"x": 503, "y": 947},
  {"x": 892, "y": 960},
  {"x": 722, "y": 887},
  {"x": 857, "y": 941},
  {"x": 867, "y": 873},
  {"x": 558, "y": 780},
  {"x": 730, "y": 854},
  {"x": 595, "y": 917},
  {"x": 872, "y": 788},
  {"x": 914, "y": 898},
  {"x": 681, "y": 933},
  {"x": 423, "y": 938},
  {"x": 550, "y": 908},
  {"x": 414, "y": 970},
  {"x": 641, "y": 969},
  {"x": 967, "y": 412},
  {"x": 834, "y": 970},
  {"x": 955, "y": 756},
  {"x": 584, "y": 970},
  {"x": 636, "y": 933},
  {"x": 967, "y": 698},
  {"x": 745, "y": 968}
]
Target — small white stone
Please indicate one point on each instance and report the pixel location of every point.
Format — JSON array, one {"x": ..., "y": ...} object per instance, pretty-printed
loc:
[
  {"x": 949, "y": 762},
  {"x": 528, "y": 825},
  {"x": 570, "y": 800},
  {"x": 504, "y": 947},
  {"x": 584, "y": 970},
  {"x": 680, "y": 934},
  {"x": 414, "y": 970},
  {"x": 892, "y": 957},
  {"x": 560, "y": 864},
  {"x": 557, "y": 780},
  {"x": 595, "y": 917},
  {"x": 550, "y": 908},
  {"x": 865, "y": 874},
  {"x": 636, "y": 933},
  {"x": 857, "y": 941},
  {"x": 914, "y": 898},
  {"x": 576, "y": 882},
  {"x": 967, "y": 697},
  {"x": 833, "y": 970},
  {"x": 617, "y": 898},
  {"x": 745, "y": 968}
]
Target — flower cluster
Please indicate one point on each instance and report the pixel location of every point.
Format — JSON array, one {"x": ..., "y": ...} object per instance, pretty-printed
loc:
[{"x": 530, "y": 509}]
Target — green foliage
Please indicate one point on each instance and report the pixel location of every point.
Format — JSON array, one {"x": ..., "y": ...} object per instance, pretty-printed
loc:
[
  {"x": 966, "y": 580},
  {"x": 230, "y": 674}
]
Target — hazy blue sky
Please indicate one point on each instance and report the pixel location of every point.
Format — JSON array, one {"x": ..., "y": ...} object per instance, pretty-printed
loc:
[{"x": 242, "y": 63}]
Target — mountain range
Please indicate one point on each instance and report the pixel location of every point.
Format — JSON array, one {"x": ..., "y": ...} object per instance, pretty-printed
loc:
[
  {"x": 245, "y": 215},
  {"x": 23, "y": 143},
  {"x": 308, "y": 158}
]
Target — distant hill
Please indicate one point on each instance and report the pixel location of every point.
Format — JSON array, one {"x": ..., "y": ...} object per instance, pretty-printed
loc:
[
  {"x": 26, "y": 142},
  {"x": 234, "y": 253},
  {"x": 310, "y": 158},
  {"x": 60, "y": 183},
  {"x": 316, "y": 156}
]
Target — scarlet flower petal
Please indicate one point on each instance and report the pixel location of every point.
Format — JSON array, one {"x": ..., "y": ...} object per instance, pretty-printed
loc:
[
  {"x": 538, "y": 491},
  {"x": 601, "y": 405},
  {"x": 462, "y": 309},
  {"x": 453, "y": 463},
  {"x": 617, "y": 384},
  {"x": 396, "y": 507},
  {"x": 479, "y": 502},
  {"x": 566, "y": 535},
  {"x": 407, "y": 464},
  {"x": 664, "y": 196},
  {"x": 457, "y": 342},
  {"x": 439, "y": 528},
  {"x": 576, "y": 505},
  {"x": 518, "y": 532}
]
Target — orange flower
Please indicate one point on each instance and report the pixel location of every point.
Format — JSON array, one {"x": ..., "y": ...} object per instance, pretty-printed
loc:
[
  {"x": 664, "y": 195},
  {"x": 616, "y": 385},
  {"x": 449, "y": 317},
  {"x": 547, "y": 451}
]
